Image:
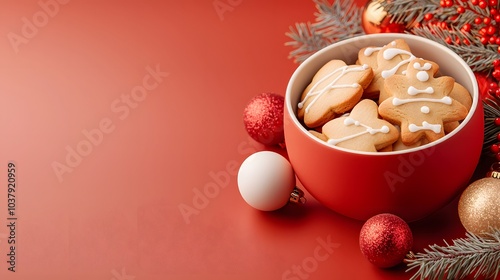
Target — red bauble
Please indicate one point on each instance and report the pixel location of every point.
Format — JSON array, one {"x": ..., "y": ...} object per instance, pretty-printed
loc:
[
  {"x": 263, "y": 119},
  {"x": 385, "y": 239}
]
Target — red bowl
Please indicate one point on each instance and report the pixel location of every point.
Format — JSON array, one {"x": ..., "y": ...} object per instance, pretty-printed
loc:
[{"x": 412, "y": 183}]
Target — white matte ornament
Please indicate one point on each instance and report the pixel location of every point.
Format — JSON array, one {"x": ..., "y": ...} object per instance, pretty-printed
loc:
[{"x": 266, "y": 180}]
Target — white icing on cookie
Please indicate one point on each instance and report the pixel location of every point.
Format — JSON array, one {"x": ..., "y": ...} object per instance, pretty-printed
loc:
[
  {"x": 350, "y": 121},
  {"x": 332, "y": 85},
  {"x": 414, "y": 91},
  {"x": 389, "y": 54},
  {"x": 426, "y": 67},
  {"x": 398, "y": 101},
  {"x": 436, "y": 128},
  {"x": 370, "y": 50},
  {"x": 422, "y": 76}
]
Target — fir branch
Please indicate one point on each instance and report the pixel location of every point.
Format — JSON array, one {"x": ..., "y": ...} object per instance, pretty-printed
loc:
[
  {"x": 478, "y": 56},
  {"x": 306, "y": 41},
  {"x": 473, "y": 254},
  {"x": 341, "y": 16},
  {"x": 407, "y": 11},
  {"x": 471, "y": 13},
  {"x": 334, "y": 22}
]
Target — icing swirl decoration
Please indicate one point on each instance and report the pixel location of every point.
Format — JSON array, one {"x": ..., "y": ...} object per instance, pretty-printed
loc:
[
  {"x": 389, "y": 54},
  {"x": 316, "y": 94}
]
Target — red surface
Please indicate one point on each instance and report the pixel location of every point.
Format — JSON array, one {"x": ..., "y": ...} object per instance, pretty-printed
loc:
[{"x": 114, "y": 213}]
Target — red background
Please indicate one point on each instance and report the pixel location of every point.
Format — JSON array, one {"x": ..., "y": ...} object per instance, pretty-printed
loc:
[{"x": 115, "y": 212}]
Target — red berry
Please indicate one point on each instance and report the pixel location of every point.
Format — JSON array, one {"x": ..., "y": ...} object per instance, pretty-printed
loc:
[
  {"x": 494, "y": 148},
  {"x": 493, "y": 86},
  {"x": 497, "y": 157},
  {"x": 496, "y": 74},
  {"x": 466, "y": 27},
  {"x": 497, "y": 92},
  {"x": 498, "y": 136},
  {"x": 496, "y": 63},
  {"x": 487, "y": 20},
  {"x": 448, "y": 40},
  {"x": 484, "y": 40},
  {"x": 497, "y": 123},
  {"x": 492, "y": 40},
  {"x": 483, "y": 31},
  {"x": 466, "y": 41},
  {"x": 460, "y": 9},
  {"x": 448, "y": 3},
  {"x": 493, "y": 2},
  {"x": 474, "y": 2},
  {"x": 428, "y": 16},
  {"x": 497, "y": 42},
  {"x": 482, "y": 4},
  {"x": 478, "y": 20},
  {"x": 491, "y": 30},
  {"x": 493, "y": 11}
]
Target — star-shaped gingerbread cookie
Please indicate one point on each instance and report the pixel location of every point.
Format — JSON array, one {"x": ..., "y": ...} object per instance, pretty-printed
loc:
[
  {"x": 361, "y": 130},
  {"x": 420, "y": 103},
  {"x": 334, "y": 90}
]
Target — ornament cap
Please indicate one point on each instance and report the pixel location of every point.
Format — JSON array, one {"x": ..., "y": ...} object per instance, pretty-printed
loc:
[
  {"x": 297, "y": 196},
  {"x": 494, "y": 171},
  {"x": 494, "y": 174}
]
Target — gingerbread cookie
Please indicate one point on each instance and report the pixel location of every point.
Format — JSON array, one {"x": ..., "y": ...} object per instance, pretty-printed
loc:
[
  {"x": 334, "y": 90},
  {"x": 462, "y": 95},
  {"x": 319, "y": 135},
  {"x": 386, "y": 61},
  {"x": 361, "y": 130},
  {"x": 420, "y": 103},
  {"x": 400, "y": 146}
]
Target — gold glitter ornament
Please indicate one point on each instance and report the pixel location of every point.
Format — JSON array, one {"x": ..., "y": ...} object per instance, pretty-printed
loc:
[
  {"x": 479, "y": 205},
  {"x": 376, "y": 20}
]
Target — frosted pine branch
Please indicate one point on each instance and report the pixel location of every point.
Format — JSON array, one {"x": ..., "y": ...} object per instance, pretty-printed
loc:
[
  {"x": 406, "y": 11},
  {"x": 334, "y": 22},
  {"x": 473, "y": 254},
  {"x": 476, "y": 55}
]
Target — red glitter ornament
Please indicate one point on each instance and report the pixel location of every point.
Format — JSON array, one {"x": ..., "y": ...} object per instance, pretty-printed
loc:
[
  {"x": 263, "y": 119},
  {"x": 385, "y": 239}
]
